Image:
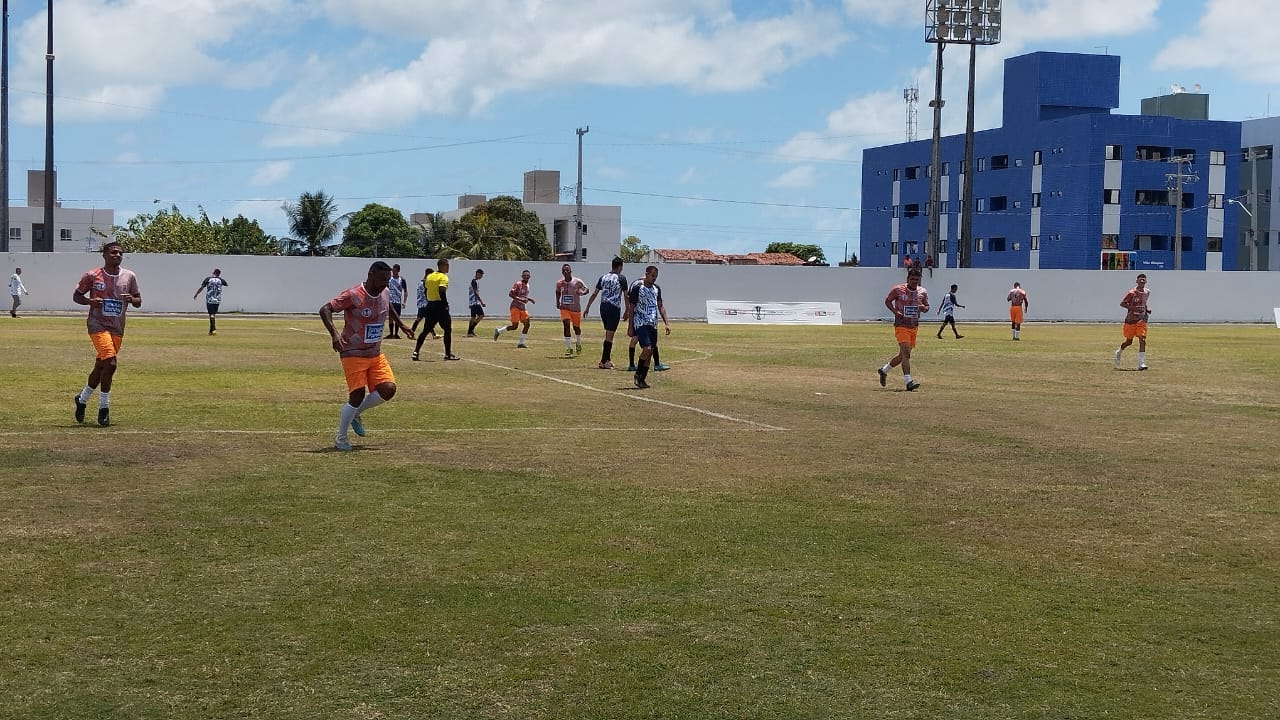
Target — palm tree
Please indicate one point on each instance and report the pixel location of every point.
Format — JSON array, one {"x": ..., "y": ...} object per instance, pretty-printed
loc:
[{"x": 312, "y": 223}]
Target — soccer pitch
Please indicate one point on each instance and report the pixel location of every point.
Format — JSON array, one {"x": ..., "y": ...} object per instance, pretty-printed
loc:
[{"x": 764, "y": 533}]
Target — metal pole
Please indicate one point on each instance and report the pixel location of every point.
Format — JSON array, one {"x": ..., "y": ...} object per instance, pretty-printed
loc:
[
  {"x": 1253, "y": 218},
  {"x": 1177, "y": 221},
  {"x": 966, "y": 217},
  {"x": 50, "y": 187},
  {"x": 935, "y": 165},
  {"x": 577, "y": 218},
  {"x": 4, "y": 128}
]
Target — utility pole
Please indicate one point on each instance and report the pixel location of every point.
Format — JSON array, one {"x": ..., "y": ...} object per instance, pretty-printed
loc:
[
  {"x": 935, "y": 163},
  {"x": 1253, "y": 205},
  {"x": 50, "y": 186},
  {"x": 4, "y": 128},
  {"x": 966, "y": 206},
  {"x": 577, "y": 218},
  {"x": 1174, "y": 181}
]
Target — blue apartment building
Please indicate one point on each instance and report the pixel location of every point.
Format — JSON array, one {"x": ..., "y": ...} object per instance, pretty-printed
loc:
[{"x": 1065, "y": 184}]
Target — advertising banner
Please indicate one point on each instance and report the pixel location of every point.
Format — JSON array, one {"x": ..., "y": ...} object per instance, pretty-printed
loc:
[{"x": 746, "y": 312}]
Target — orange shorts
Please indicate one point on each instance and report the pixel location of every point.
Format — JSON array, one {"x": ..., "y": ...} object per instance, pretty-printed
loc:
[
  {"x": 1015, "y": 314},
  {"x": 574, "y": 318},
  {"x": 1135, "y": 330},
  {"x": 366, "y": 372},
  {"x": 905, "y": 335},
  {"x": 519, "y": 316},
  {"x": 106, "y": 344}
]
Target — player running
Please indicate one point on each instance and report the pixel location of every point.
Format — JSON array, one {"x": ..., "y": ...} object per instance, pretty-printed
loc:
[
  {"x": 1135, "y": 320},
  {"x": 906, "y": 301}
]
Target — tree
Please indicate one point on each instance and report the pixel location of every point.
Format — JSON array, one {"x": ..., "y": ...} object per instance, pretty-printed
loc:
[
  {"x": 242, "y": 236},
  {"x": 169, "y": 231},
  {"x": 378, "y": 231},
  {"x": 435, "y": 235},
  {"x": 501, "y": 229},
  {"x": 313, "y": 223},
  {"x": 632, "y": 250},
  {"x": 804, "y": 252}
]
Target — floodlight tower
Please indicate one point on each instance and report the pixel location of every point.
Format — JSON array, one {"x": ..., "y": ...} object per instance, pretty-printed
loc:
[
  {"x": 963, "y": 22},
  {"x": 911, "y": 96}
]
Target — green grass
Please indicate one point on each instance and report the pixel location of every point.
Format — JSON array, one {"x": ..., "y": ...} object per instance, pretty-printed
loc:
[{"x": 1033, "y": 534}]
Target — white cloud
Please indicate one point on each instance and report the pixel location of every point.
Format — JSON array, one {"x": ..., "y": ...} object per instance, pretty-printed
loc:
[
  {"x": 271, "y": 173},
  {"x": 122, "y": 55},
  {"x": 887, "y": 12},
  {"x": 800, "y": 176},
  {"x": 1252, "y": 52},
  {"x": 493, "y": 47},
  {"x": 690, "y": 175},
  {"x": 1029, "y": 21}
]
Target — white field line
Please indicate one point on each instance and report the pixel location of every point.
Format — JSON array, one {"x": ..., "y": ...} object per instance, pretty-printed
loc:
[
  {"x": 407, "y": 431},
  {"x": 629, "y": 396}
]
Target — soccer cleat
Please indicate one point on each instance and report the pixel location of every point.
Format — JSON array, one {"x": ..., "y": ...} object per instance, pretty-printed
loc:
[
  {"x": 356, "y": 426},
  {"x": 568, "y": 352},
  {"x": 913, "y": 385},
  {"x": 79, "y": 409},
  {"x": 472, "y": 335},
  {"x": 661, "y": 366},
  {"x": 496, "y": 333},
  {"x": 452, "y": 357},
  {"x": 605, "y": 365},
  {"x": 577, "y": 349},
  {"x": 414, "y": 356},
  {"x": 342, "y": 444},
  {"x": 884, "y": 376},
  {"x": 959, "y": 337},
  {"x": 104, "y": 417},
  {"x": 521, "y": 345},
  {"x": 631, "y": 367},
  {"x": 213, "y": 332},
  {"x": 939, "y": 336},
  {"x": 1117, "y": 358},
  {"x": 1143, "y": 366},
  {"x": 641, "y": 384}
]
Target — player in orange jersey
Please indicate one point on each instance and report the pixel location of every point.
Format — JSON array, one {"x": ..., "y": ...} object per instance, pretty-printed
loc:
[
  {"x": 1135, "y": 320},
  {"x": 108, "y": 291},
  {"x": 906, "y": 301},
  {"x": 1018, "y": 304}
]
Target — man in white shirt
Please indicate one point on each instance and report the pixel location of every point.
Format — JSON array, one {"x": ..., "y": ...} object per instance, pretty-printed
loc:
[{"x": 16, "y": 289}]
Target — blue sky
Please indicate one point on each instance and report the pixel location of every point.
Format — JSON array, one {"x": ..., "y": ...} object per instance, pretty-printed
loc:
[{"x": 714, "y": 124}]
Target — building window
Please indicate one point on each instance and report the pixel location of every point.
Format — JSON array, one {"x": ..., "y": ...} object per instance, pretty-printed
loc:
[
  {"x": 893, "y": 247},
  {"x": 980, "y": 205},
  {"x": 1217, "y": 157},
  {"x": 1017, "y": 204},
  {"x": 1213, "y": 244},
  {"x": 928, "y": 171},
  {"x": 1037, "y": 158},
  {"x": 895, "y": 211},
  {"x": 1215, "y": 201},
  {"x": 982, "y": 164},
  {"x": 1035, "y": 200},
  {"x": 1151, "y": 197},
  {"x": 946, "y": 168},
  {"x": 999, "y": 203},
  {"x": 64, "y": 234},
  {"x": 1264, "y": 195},
  {"x": 913, "y": 172},
  {"x": 996, "y": 244},
  {"x": 945, "y": 206},
  {"x": 1110, "y": 242},
  {"x": 999, "y": 162},
  {"x": 895, "y": 174},
  {"x": 15, "y": 234},
  {"x": 1187, "y": 154},
  {"x": 1017, "y": 162},
  {"x": 1035, "y": 242},
  {"x": 910, "y": 211},
  {"x": 977, "y": 244},
  {"x": 1110, "y": 197},
  {"x": 1152, "y": 152},
  {"x": 1112, "y": 152}
]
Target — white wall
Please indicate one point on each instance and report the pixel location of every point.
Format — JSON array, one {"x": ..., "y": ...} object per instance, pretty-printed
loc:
[{"x": 303, "y": 284}]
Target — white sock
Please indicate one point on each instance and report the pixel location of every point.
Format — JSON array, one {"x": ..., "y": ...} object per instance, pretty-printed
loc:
[
  {"x": 1015, "y": 334},
  {"x": 1142, "y": 358},
  {"x": 104, "y": 399},
  {"x": 502, "y": 329},
  {"x": 907, "y": 378},
  {"x": 568, "y": 344},
  {"x": 85, "y": 394},
  {"x": 371, "y": 400},
  {"x": 884, "y": 367},
  {"x": 522, "y": 337},
  {"x": 348, "y": 414}
]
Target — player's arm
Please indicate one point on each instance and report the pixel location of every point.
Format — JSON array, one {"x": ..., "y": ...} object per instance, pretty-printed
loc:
[
  {"x": 476, "y": 289},
  {"x": 80, "y": 295},
  {"x": 591, "y": 300},
  {"x": 891, "y": 305},
  {"x": 662, "y": 311},
  {"x": 326, "y": 317},
  {"x": 202, "y": 286}
]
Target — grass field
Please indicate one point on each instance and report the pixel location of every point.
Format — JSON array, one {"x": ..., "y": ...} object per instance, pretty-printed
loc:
[{"x": 765, "y": 533}]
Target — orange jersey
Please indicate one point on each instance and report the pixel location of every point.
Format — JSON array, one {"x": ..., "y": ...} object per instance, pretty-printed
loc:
[
  {"x": 98, "y": 283},
  {"x": 1017, "y": 297},
  {"x": 364, "y": 317},
  {"x": 908, "y": 304},
  {"x": 1135, "y": 301}
]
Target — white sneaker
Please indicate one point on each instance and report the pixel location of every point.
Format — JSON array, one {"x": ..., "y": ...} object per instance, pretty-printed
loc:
[
  {"x": 342, "y": 444},
  {"x": 1143, "y": 366},
  {"x": 1117, "y": 356}
]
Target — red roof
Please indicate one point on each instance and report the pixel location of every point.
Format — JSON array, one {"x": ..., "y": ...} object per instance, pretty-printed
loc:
[{"x": 706, "y": 257}]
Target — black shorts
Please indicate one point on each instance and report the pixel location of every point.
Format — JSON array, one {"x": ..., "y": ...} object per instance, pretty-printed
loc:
[
  {"x": 398, "y": 307},
  {"x": 212, "y": 308},
  {"x": 422, "y": 313},
  {"x": 477, "y": 311},
  {"x": 610, "y": 315}
]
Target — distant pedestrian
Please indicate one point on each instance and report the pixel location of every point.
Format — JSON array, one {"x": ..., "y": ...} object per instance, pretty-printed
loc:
[
  {"x": 212, "y": 287},
  {"x": 16, "y": 289},
  {"x": 475, "y": 303},
  {"x": 519, "y": 295},
  {"x": 397, "y": 290},
  {"x": 1018, "y": 305},
  {"x": 947, "y": 310}
]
